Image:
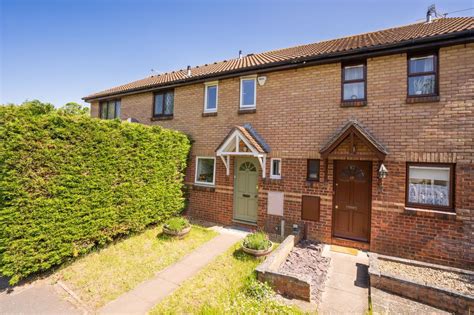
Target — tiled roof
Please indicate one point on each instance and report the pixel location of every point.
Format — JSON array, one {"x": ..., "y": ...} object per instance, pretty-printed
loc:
[
  {"x": 340, "y": 134},
  {"x": 392, "y": 36},
  {"x": 252, "y": 137}
]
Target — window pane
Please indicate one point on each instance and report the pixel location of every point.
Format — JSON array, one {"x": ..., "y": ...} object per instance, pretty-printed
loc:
[
  {"x": 422, "y": 64},
  {"x": 276, "y": 167},
  {"x": 421, "y": 85},
  {"x": 158, "y": 104},
  {"x": 354, "y": 72},
  {"x": 313, "y": 169},
  {"x": 117, "y": 109},
  {"x": 103, "y": 110},
  {"x": 205, "y": 171},
  {"x": 429, "y": 185},
  {"x": 248, "y": 92},
  {"x": 354, "y": 91},
  {"x": 211, "y": 97},
  {"x": 169, "y": 103},
  {"x": 111, "y": 110}
]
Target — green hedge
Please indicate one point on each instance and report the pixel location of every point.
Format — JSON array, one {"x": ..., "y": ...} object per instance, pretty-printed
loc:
[{"x": 69, "y": 183}]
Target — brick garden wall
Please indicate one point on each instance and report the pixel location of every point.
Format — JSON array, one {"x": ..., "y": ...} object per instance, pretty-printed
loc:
[{"x": 298, "y": 110}]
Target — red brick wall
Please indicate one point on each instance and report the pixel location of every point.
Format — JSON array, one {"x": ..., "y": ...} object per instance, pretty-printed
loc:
[{"x": 298, "y": 110}]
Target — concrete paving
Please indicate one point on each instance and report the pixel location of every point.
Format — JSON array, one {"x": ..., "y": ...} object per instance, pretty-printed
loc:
[
  {"x": 347, "y": 287},
  {"x": 149, "y": 293},
  {"x": 36, "y": 298}
]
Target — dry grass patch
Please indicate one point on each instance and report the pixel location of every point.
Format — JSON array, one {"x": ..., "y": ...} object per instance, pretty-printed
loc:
[
  {"x": 107, "y": 273},
  {"x": 225, "y": 286}
]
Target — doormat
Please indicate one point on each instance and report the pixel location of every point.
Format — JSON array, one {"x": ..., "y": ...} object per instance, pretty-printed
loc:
[{"x": 344, "y": 250}]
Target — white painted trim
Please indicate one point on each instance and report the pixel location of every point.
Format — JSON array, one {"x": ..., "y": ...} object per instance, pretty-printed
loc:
[
  {"x": 271, "y": 168},
  {"x": 206, "y": 85},
  {"x": 196, "y": 170},
  {"x": 254, "y": 105}
]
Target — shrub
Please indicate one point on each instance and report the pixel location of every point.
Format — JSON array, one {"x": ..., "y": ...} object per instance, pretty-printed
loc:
[
  {"x": 257, "y": 241},
  {"x": 176, "y": 224},
  {"x": 69, "y": 183}
]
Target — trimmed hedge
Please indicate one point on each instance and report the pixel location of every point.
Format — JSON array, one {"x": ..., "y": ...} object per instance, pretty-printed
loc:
[{"x": 69, "y": 183}]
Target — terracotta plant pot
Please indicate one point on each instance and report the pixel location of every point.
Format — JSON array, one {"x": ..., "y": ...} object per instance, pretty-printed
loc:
[
  {"x": 178, "y": 234},
  {"x": 258, "y": 252}
]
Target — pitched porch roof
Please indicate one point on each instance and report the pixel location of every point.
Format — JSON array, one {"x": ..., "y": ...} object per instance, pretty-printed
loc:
[
  {"x": 251, "y": 135},
  {"x": 353, "y": 127}
]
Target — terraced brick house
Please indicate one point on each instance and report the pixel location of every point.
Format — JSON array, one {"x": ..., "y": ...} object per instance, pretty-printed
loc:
[{"x": 363, "y": 141}]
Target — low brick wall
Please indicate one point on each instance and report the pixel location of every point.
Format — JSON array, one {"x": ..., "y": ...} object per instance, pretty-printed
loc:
[
  {"x": 287, "y": 285},
  {"x": 441, "y": 298}
]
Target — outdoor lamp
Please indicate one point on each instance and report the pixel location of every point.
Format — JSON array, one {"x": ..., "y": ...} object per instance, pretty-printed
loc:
[{"x": 383, "y": 172}]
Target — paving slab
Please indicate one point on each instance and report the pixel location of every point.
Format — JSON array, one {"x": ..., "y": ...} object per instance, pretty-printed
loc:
[
  {"x": 346, "y": 290},
  {"x": 36, "y": 299},
  {"x": 149, "y": 293}
]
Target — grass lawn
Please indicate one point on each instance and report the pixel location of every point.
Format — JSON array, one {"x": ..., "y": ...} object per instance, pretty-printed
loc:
[
  {"x": 222, "y": 287},
  {"x": 107, "y": 273}
]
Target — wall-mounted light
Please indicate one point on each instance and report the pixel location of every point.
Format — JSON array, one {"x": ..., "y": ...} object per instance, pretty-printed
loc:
[
  {"x": 383, "y": 172},
  {"x": 261, "y": 80}
]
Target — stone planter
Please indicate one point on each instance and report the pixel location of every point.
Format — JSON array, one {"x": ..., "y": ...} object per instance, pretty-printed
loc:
[
  {"x": 258, "y": 252},
  {"x": 178, "y": 234}
]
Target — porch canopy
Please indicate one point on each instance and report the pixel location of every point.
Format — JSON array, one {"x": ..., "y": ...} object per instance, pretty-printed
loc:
[
  {"x": 353, "y": 140},
  {"x": 243, "y": 141}
]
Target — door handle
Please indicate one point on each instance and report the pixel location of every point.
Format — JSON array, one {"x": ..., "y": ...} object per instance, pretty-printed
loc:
[{"x": 246, "y": 195}]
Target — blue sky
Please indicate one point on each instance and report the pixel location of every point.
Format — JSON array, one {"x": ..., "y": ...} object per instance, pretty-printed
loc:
[{"x": 59, "y": 51}]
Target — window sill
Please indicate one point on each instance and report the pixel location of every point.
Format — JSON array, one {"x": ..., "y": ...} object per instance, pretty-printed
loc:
[
  {"x": 243, "y": 111},
  {"x": 203, "y": 187},
  {"x": 209, "y": 114},
  {"x": 168, "y": 117},
  {"x": 353, "y": 103},
  {"x": 447, "y": 215},
  {"x": 311, "y": 183},
  {"x": 422, "y": 99}
]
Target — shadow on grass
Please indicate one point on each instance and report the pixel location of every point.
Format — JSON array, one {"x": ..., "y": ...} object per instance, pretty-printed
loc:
[{"x": 239, "y": 254}]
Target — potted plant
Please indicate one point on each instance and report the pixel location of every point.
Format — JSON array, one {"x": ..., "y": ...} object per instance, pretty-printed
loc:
[
  {"x": 257, "y": 244},
  {"x": 178, "y": 227}
]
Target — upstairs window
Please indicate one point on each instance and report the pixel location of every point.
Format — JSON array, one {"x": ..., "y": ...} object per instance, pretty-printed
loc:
[
  {"x": 422, "y": 75},
  {"x": 210, "y": 97},
  {"x": 163, "y": 104},
  {"x": 430, "y": 186},
  {"x": 205, "y": 170},
  {"x": 275, "y": 168},
  {"x": 248, "y": 92},
  {"x": 353, "y": 82},
  {"x": 110, "y": 109},
  {"x": 312, "y": 170}
]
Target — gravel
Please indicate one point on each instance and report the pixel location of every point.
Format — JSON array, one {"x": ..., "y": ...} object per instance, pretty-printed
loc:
[
  {"x": 305, "y": 260},
  {"x": 458, "y": 282}
]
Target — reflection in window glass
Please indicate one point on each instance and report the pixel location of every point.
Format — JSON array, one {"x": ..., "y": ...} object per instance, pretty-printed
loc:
[
  {"x": 422, "y": 64},
  {"x": 211, "y": 97},
  {"x": 248, "y": 92},
  {"x": 205, "y": 171}
]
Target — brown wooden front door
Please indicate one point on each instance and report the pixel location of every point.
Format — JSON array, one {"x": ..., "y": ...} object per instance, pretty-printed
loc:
[{"x": 352, "y": 199}]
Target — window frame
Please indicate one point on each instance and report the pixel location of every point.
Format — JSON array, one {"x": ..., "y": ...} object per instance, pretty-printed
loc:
[
  {"x": 452, "y": 181},
  {"x": 254, "y": 105},
  {"x": 206, "y": 85},
  {"x": 115, "y": 101},
  {"x": 307, "y": 170},
  {"x": 154, "y": 115},
  {"x": 196, "y": 171},
  {"x": 362, "y": 63},
  {"x": 435, "y": 72},
  {"x": 272, "y": 176}
]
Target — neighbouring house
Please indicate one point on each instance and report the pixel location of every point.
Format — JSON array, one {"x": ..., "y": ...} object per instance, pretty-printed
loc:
[{"x": 364, "y": 141}]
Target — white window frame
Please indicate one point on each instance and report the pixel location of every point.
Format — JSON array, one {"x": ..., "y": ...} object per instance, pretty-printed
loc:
[
  {"x": 213, "y": 174},
  {"x": 254, "y": 105},
  {"x": 206, "y": 85},
  {"x": 272, "y": 176}
]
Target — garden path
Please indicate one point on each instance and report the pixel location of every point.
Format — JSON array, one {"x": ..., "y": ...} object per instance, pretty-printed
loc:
[{"x": 149, "y": 293}]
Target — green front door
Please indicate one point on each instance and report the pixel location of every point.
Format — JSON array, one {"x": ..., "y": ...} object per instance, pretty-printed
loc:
[{"x": 246, "y": 190}]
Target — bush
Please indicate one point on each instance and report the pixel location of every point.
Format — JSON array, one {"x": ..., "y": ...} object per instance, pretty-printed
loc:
[
  {"x": 176, "y": 224},
  {"x": 69, "y": 183},
  {"x": 257, "y": 241},
  {"x": 257, "y": 290}
]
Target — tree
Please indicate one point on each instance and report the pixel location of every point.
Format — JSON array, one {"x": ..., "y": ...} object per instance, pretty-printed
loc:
[{"x": 73, "y": 108}]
